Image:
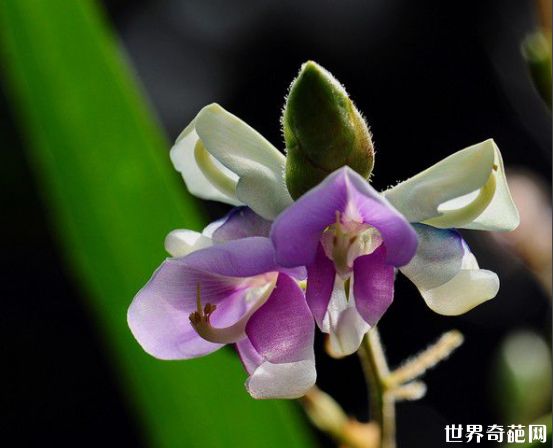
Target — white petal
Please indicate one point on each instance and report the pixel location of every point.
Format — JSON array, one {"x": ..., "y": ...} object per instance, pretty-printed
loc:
[
  {"x": 344, "y": 324},
  {"x": 438, "y": 259},
  {"x": 466, "y": 190},
  {"x": 183, "y": 157},
  {"x": 469, "y": 288},
  {"x": 289, "y": 380},
  {"x": 181, "y": 242},
  {"x": 348, "y": 333},
  {"x": 241, "y": 166}
]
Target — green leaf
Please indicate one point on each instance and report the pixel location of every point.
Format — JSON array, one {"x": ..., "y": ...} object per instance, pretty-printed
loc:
[{"x": 103, "y": 169}]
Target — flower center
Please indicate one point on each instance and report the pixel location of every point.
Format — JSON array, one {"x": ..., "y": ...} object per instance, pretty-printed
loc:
[
  {"x": 346, "y": 240},
  {"x": 258, "y": 290}
]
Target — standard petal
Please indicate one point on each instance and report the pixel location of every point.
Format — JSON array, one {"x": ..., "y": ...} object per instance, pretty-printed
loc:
[
  {"x": 245, "y": 257},
  {"x": 343, "y": 322},
  {"x": 159, "y": 314},
  {"x": 296, "y": 232},
  {"x": 466, "y": 190},
  {"x": 373, "y": 285},
  {"x": 238, "y": 258},
  {"x": 447, "y": 274},
  {"x": 237, "y": 162},
  {"x": 278, "y": 352},
  {"x": 398, "y": 235}
]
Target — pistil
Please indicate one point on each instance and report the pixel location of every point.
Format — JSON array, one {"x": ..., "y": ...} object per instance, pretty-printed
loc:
[{"x": 346, "y": 240}]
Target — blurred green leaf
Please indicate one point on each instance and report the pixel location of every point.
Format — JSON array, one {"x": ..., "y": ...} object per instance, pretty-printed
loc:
[
  {"x": 523, "y": 377},
  {"x": 103, "y": 168},
  {"x": 537, "y": 51}
]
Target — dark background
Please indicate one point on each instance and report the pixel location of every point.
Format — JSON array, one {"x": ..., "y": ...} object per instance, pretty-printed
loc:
[{"x": 431, "y": 77}]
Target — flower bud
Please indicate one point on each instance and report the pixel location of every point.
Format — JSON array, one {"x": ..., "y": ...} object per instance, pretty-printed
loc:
[{"x": 323, "y": 131}]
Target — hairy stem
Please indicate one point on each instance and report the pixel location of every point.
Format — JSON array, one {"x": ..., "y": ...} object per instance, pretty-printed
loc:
[{"x": 419, "y": 364}]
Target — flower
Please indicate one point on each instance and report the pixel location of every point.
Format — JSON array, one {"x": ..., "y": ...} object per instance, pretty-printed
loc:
[
  {"x": 467, "y": 190},
  {"x": 237, "y": 282},
  {"x": 230, "y": 291},
  {"x": 350, "y": 239}
]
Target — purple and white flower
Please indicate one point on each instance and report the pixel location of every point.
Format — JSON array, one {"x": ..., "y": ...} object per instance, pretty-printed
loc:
[
  {"x": 222, "y": 158},
  {"x": 351, "y": 239},
  {"x": 230, "y": 292},
  {"x": 232, "y": 284}
]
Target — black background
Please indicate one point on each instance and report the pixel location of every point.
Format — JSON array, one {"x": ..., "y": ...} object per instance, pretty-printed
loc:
[{"x": 431, "y": 77}]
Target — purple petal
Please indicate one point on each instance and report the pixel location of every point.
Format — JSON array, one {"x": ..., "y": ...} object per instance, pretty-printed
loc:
[
  {"x": 248, "y": 355},
  {"x": 239, "y": 258},
  {"x": 282, "y": 330},
  {"x": 159, "y": 314},
  {"x": 278, "y": 352},
  {"x": 296, "y": 232},
  {"x": 399, "y": 237},
  {"x": 241, "y": 222},
  {"x": 321, "y": 278},
  {"x": 373, "y": 285}
]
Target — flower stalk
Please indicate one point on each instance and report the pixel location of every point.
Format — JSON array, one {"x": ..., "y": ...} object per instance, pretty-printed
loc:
[
  {"x": 376, "y": 371},
  {"x": 385, "y": 388},
  {"x": 329, "y": 417}
]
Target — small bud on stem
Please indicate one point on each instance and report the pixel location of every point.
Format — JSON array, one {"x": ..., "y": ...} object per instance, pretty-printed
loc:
[{"x": 323, "y": 131}]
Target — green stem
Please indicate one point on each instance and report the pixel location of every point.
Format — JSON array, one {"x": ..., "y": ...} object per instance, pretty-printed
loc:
[{"x": 376, "y": 371}]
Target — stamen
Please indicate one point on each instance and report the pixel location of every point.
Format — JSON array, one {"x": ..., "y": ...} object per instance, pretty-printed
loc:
[
  {"x": 201, "y": 316},
  {"x": 200, "y": 319}
]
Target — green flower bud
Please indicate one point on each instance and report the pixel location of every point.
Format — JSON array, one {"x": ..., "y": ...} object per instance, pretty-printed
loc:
[{"x": 323, "y": 131}]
